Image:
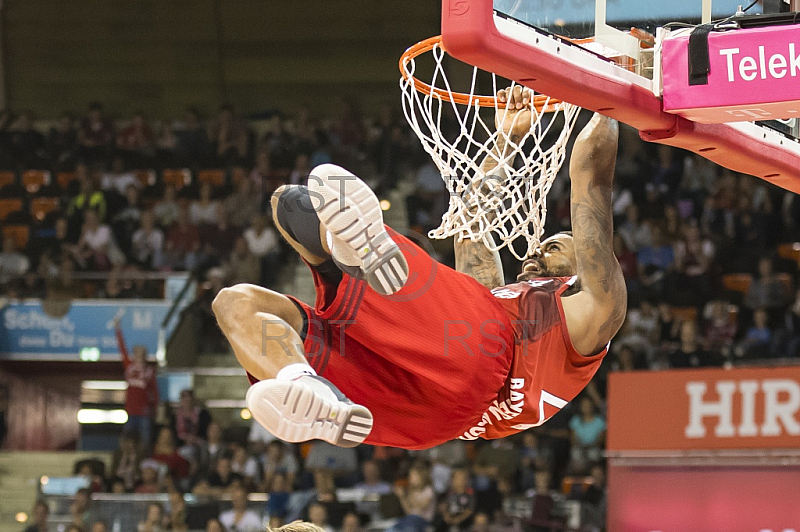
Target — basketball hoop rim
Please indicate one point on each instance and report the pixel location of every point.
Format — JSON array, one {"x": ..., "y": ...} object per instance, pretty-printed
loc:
[{"x": 542, "y": 103}]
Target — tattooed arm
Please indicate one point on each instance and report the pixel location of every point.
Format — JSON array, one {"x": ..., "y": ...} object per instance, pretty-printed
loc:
[
  {"x": 475, "y": 258},
  {"x": 596, "y": 312}
]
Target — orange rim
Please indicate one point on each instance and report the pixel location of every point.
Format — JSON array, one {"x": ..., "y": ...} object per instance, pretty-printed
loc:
[{"x": 541, "y": 102}]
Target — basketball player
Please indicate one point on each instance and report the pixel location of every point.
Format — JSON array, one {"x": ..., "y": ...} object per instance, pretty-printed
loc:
[{"x": 427, "y": 352}]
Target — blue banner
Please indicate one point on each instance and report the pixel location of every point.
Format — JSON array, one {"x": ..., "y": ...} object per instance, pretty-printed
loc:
[{"x": 85, "y": 332}]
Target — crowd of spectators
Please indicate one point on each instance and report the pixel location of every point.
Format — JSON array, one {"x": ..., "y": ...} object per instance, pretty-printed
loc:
[
  {"x": 120, "y": 199},
  {"x": 458, "y": 486},
  {"x": 707, "y": 256}
]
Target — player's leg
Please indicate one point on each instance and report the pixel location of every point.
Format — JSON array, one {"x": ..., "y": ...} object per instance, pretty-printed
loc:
[
  {"x": 289, "y": 400},
  {"x": 261, "y": 326}
]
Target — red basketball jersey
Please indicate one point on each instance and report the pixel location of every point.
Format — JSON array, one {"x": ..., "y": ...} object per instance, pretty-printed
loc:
[{"x": 546, "y": 371}]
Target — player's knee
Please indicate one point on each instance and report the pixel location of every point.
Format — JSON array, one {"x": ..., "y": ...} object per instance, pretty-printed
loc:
[{"x": 229, "y": 299}]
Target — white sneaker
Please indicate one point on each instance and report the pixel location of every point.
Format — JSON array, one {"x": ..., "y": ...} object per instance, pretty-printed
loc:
[
  {"x": 351, "y": 213},
  {"x": 308, "y": 408}
]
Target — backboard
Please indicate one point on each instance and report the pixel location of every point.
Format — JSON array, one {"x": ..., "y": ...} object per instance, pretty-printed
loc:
[{"x": 529, "y": 41}]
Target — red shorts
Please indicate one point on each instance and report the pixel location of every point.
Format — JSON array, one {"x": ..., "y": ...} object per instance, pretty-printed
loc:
[{"x": 427, "y": 361}]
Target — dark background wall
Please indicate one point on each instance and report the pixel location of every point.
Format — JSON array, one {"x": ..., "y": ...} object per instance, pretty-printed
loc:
[{"x": 161, "y": 56}]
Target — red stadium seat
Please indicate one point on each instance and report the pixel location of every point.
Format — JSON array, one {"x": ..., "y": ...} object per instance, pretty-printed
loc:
[
  {"x": 20, "y": 233},
  {"x": 790, "y": 251},
  {"x": 177, "y": 177},
  {"x": 9, "y": 205},
  {"x": 737, "y": 282},
  {"x": 6, "y": 178},
  {"x": 65, "y": 178},
  {"x": 41, "y": 207},
  {"x": 33, "y": 180},
  {"x": 685, "y": 313},
  {"x": 215, "y": 178},
  {"x": 146, "y": 177}
]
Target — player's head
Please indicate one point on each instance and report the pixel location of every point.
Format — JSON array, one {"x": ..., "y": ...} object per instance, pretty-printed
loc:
[{"x": 554, "y": 258}]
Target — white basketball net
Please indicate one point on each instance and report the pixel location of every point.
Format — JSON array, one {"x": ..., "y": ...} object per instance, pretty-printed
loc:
[{"x": 510, "y": 202}]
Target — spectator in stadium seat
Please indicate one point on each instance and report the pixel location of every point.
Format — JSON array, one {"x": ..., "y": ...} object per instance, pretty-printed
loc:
[
  {"x": 176, "y": 519},
  {"x": 262, "y": 241},
  {"x": 229, "y": 136},
  {"x": 203, "y": 211},
  {"x": 147, "y": 243},
  {"x": 96, "y": 244},
  {"x": 165, "y": 145},
  {"x": 301, "y": 169},
  {"x": 691, "y": 281},
  {"x": 210, "y": 449},
  {"x": 191, "y": 420},
  {"x": 593, "y": 509},
  {"x": 26, "y": 143},
  {"x": 543, "y": 501},
  {"x": 99, "y": 526},
  {"x": 126, "y": 459},
  {"x": 127, "y": 219},
  {"x": 53, "y": 243},
  {"x": 88, "y": 199},
  {"x": 279, "y": 460},
  {"x": 239, "y": 518},
  {"x": 351, "y": 523},
  {"x": 245, "y": 465},
  {"x": 141, "y": 398},
  {"x": 418, "y": 501},
  {"x": 534, "y": 455},
  {"x": 655, "y": 261},
  {"x": 137, "y": 140},
  {"x": 787, "y": 335},
  {"x": 689, "y": 352},
  {"x": 757, "y": 339},
  {"x": 633, "y": 231},
  {"x": 221, "y": 480},
  {"x": 95, "y": 135},
  {"x": 278, "y": 500},
  {"x": 40, "y": 515},
  {"x": 245, "y": 201},
  {"x": 318, "y": 515},
  {"x": 193, "y": 145},
  {"x": 372, "y": 487},
  {"x": 720, "y": 328},
  {"x": 167, "y": 210},
  {"x": 458, "y": 506},
  {"x": 213, "y": 525},
  {"x": 166, "y": 451},
  {"x": 766, "y": 291},
  {"x": 153, "y": 518},
  {"x": 13, "y": 264},
  {"x": 62, "y": 142},
  {"x": 181, "y": 250},
  {"x": 81, "y": 510},
  {"x": 219, "y": 238},
  {"x": 117, "y": 179},
  {"x": 150, "y": 477},
  {"x": 588, "y": 430},
  {"x": 243, "y": 266},
  {"x": 266, "y": 179}
]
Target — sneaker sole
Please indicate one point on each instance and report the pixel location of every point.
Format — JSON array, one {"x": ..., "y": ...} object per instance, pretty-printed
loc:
[
  {"x": 295, "y": 413},
  {"x": 352, "y": 213}
]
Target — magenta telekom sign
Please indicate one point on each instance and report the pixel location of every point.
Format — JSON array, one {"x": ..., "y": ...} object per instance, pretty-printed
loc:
[{"x": 753, "y": 74}]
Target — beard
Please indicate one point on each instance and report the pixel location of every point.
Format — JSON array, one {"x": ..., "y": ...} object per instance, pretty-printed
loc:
[{"x": 542, "y": 270}]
